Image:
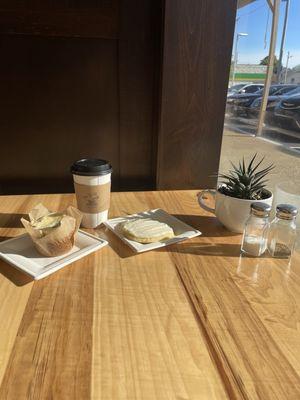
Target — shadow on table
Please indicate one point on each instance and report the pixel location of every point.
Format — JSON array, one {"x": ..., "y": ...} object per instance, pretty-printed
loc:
[
  {"x": 11, "y": 220},
  {"x": 115, "y": 243},
  {"x": 17, "y": 277},
  {"x": 207, "y": 249},
  {"x": 2, "y": 238},
  {"x": 209, "y": 226}
]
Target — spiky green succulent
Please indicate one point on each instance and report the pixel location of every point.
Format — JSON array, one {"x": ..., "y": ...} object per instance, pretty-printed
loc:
[{"x": 246, "y": 181}]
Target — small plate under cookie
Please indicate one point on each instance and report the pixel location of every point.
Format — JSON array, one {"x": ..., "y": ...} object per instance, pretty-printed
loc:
[{"x": 182, "y": 230}]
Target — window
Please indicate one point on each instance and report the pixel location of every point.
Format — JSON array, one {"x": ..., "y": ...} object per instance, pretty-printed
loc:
[{"x": 271, "y": 129}]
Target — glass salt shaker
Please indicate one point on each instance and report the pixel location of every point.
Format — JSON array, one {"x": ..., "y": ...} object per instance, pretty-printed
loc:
[
  {"x": 283, "y": 231},
  {"x": 256, "y": 230}
]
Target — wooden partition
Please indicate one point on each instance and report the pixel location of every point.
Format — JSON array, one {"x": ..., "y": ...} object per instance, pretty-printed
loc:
[
  {"x": 139, "y": 82},
  {"x": 139, "y": 66},
  {"x": 78, "y": 79},
  {"x": 196, "y": 60}
]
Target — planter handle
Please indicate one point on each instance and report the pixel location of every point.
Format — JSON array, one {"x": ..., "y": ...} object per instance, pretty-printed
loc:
[{"x": 201, "y": 199}]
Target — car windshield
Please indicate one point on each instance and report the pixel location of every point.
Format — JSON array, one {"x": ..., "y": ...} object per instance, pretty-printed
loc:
[
  {"x": 273, "y": 90},
  {"x": 295, "y": 91},
  {"x": 235, "y": 88},
  {"x": 260, "y": 91},
  {"x": 284, "y": 90},
  {"x": 250, "y": 89}
]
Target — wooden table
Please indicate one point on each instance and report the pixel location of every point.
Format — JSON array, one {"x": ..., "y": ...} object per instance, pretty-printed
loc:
[{"x": 191, "y": 321}]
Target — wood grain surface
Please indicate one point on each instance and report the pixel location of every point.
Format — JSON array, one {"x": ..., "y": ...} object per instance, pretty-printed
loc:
[
  {"x": 64, "y": 18},
  {"x": 64, "y": 91},
  {"x": 191, "y": 321},
  {"x": 197, "y": 42},
  {"x": 81, "y": 75},
  {"x": 138, "y": 65}
]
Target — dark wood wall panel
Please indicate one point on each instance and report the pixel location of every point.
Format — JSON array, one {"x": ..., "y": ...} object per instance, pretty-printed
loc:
[
  {"x": 139, "y": 63},
  {"x": 83, "y": 82},
  {"x": 80, "y": 18},
  {"x": 58, "y": 102},
  {"x": 64, "y": 97},
  {"x": 197, "y": 50}
]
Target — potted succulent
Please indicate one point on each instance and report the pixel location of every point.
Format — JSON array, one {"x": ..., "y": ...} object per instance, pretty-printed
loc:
[{"x": 240, "y": 187}]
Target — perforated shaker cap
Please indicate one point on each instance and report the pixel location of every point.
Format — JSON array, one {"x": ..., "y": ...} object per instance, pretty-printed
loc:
[
  {"x": 260, "y": 209},
  {"x": 286, "y": 211}
]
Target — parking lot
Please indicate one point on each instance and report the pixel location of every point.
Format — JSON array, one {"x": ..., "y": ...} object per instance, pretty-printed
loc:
[
  {"x": 282, "y": 117},
  {"x": 288, "y": 139},
  {"x": 278, "y": 146}
]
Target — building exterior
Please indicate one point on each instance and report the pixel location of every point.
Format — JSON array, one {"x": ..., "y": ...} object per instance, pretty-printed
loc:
[
  {"x": 293, "y": 75},
  {"x": 250, "y": 73}
]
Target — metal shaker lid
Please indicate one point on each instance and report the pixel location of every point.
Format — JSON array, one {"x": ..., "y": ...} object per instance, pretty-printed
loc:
[
  {"x": 260, "y": 209},
  {"x": 286, "y": 211}
]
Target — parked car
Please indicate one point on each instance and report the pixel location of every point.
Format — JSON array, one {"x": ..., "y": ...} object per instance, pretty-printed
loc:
[
  {"x": 273, "y": 100},
  {"x": 240, "y": 104},
  {"x": 235, "y": 88},
  {"x": 247, "y": 90},
  {"x": 287, "y": 113},
  {"x": 250, "y": 88}
]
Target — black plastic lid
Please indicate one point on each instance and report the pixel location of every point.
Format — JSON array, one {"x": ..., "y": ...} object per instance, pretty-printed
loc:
[{"x": 91, "y": 167}]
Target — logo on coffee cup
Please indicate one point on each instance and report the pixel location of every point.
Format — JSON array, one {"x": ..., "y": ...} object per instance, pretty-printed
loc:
[{"x": 91, "y": 200}]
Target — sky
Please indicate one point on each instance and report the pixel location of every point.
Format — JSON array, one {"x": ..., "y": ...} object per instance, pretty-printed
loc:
[{"x": 253, "y": 19}]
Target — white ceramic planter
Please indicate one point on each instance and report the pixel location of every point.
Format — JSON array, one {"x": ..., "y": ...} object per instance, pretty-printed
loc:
[{"x": 230, "y": 211}]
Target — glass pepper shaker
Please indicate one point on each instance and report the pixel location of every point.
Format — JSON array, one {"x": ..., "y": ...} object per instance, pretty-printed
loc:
[
  {"x": 283, "y": 231},
  {"x": 256, "y": 230}
]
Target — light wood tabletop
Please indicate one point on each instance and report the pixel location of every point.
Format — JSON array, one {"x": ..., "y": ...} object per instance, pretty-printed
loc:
[{"x": 192, "y": 321}]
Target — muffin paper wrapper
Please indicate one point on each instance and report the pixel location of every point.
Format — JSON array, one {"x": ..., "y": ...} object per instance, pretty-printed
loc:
[{"x": 59, "y": 240}]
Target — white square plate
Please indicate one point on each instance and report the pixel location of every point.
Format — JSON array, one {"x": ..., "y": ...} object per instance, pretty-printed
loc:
[
  {"x": 181, "y": 229},
  {"x": 21, "y": 253}
]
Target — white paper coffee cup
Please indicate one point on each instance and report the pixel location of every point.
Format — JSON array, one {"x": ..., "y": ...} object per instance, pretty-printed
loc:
[{"x": 92, "y": 180}]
